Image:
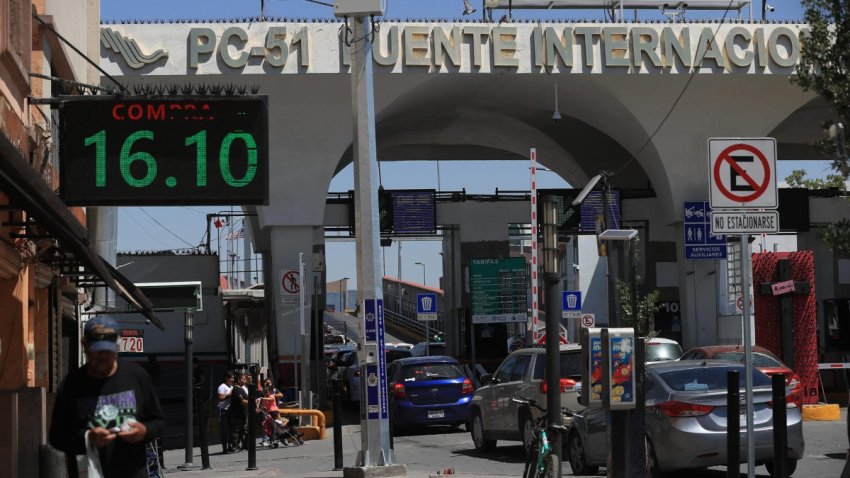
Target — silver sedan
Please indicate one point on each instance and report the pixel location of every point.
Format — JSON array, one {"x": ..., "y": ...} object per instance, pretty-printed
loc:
[{"x": 686, "y": 417}]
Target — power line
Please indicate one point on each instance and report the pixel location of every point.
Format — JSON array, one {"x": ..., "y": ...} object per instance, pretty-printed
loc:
[
  {"x": 165, "y": 228},
  {"x": 144, "y": 229},
  {"x": 678, "y": 98}
]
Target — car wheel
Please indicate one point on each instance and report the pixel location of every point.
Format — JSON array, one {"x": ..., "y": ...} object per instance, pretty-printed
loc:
[
  {"x": 652, "y": 468},
  {"x": 578, "y": 457},
  {"x": 791, "y": 467},
  {"x": 526, "y": 433},
  {"x": 479, "y": 437}
]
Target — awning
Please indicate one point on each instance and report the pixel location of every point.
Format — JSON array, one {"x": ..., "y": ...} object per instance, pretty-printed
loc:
[{"x": 27, "y": 190}]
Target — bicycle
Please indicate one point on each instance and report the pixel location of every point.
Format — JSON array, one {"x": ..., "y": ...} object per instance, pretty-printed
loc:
[{"x": 545, "y": 464}]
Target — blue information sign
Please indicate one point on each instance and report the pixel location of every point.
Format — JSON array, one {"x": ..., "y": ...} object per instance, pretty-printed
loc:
[
  {"x": 700, "y": 243},
  {"x": 376, "y": 374},
  {"x": 571, "y": 300},
  {"x": 571, "y": 304}
]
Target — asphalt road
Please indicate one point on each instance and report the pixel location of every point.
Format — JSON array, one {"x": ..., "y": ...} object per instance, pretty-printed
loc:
[{"x": 428, "y": 451}]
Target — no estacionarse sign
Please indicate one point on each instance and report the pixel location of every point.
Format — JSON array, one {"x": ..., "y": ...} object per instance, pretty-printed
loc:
[{"x": 753, "y": 222}]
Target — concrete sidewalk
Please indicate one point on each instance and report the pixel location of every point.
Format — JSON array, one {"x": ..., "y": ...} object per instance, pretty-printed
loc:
[{"x": 313, "y": 459}]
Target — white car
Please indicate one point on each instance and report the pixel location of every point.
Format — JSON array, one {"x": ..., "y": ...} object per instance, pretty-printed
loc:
[{"x": 659, "y": 349}]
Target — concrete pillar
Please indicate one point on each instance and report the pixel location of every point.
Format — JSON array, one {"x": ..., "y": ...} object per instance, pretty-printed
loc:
[{"x": 286, "y": 242}]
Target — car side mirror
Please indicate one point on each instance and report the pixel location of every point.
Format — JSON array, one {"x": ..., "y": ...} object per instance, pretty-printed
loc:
[{"x": 485, "y": 379}]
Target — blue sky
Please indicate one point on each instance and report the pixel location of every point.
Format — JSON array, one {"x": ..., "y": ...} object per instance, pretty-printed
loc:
[{"x": 158, "y": 228}]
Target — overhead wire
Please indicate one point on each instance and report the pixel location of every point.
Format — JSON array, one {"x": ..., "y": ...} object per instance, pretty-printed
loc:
[
  {"x": 678, "y": 98},
  {"x": 165, "y": 228}
]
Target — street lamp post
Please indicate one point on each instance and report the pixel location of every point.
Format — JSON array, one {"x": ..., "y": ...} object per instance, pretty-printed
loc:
[
  {"x": 427, "y": 323},
  {"x": 343, "y": 292},
  {"x": 552, "y": 281},
  {"x": 423, "y": 272}
]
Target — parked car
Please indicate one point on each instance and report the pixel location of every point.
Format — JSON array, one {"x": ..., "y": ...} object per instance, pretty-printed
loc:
[
  {"x": 763, "y": 359},
  {"x": 429, "y": 390},
  {"x": 659, "y": 349},
  {"x": 686, "y": 421},
  {"x": 495, "y": 416},
  {"x": 348, "y": 370},
  {"x": 434, "y": 348}
]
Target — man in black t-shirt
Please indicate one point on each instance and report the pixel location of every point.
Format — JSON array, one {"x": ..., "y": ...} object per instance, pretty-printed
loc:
[
  {"x": 112, "y": 402},
  {"x": 238, "y": 411}
]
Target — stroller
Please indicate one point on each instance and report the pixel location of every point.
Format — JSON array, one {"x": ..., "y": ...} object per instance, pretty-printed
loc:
[{"x": 279, "y": 430}]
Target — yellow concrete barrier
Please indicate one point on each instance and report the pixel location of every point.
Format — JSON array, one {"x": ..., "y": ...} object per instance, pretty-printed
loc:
[
  {"x": 315, "y": 431},
  {"x": 821, "y": 412}
]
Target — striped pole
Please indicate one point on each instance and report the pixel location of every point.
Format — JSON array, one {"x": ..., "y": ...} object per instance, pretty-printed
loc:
[{"x": 534, "y": 291}]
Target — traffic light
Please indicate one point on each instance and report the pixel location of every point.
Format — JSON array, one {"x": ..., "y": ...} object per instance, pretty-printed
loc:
[{"x": 385, "y": 210}]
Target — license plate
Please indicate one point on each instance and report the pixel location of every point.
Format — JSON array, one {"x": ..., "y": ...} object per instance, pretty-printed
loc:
[{"x": 436, "y": 414}]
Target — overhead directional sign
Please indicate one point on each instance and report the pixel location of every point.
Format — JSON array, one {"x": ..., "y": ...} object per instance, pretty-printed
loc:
[
  {"x": 744, "y": 222},
  {"x": 571, "y": 304},
  {"x": 742, "y": 173},
  {"x": 700, "y": 242},
  {"x": 426, "y": 307}
]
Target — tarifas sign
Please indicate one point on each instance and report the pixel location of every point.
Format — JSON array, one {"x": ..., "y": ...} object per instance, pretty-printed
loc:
[{"x": 447, "y": 47}]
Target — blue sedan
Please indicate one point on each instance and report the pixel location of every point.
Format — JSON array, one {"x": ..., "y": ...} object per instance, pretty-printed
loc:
[{"x": 429, "y": 390}]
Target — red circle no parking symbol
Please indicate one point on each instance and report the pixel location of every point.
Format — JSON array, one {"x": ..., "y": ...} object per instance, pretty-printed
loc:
[{"x": 756, "y": 188}]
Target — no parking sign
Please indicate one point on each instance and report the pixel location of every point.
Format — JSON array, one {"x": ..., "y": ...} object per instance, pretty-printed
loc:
[{"x": 742, "y": 173}]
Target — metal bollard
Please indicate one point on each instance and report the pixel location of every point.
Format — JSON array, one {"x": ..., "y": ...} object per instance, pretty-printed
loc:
[
  {"x": 337, "y": 409},
  {"x": 780, "y": 427},
  {"x": 252, "y": 422},
  {"x": 203, "y": 415},
  {"x": 733, "y": 424}
]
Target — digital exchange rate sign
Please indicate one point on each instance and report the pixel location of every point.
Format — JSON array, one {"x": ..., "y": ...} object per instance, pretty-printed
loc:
[{"x": 169, "y": 150}]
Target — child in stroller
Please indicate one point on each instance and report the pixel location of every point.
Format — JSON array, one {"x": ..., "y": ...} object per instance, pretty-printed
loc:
[{"x": 276, "y": 429}]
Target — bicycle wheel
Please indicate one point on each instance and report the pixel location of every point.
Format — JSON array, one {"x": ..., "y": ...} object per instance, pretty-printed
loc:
[
  {"x": 552, "y": 467},
  {"x": 530, "y": 468}
]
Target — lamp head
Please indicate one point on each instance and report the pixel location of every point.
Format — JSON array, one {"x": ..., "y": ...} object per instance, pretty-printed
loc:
[{"x": 589, "y": 187}]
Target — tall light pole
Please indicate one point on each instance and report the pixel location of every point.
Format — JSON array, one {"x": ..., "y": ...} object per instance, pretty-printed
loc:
[
  {"x": 552, "y": 293},
  {"x": 427, "y": 323},
  {"x": 423, "y": 271},
  {"x": 344, "y": 292}
]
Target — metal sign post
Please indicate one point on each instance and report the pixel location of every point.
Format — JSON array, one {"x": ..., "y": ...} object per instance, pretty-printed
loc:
[
  {"x": 742, "y": 179},
  {"x": 426, "y": 311},
  {"x": 748, "y": 354}
]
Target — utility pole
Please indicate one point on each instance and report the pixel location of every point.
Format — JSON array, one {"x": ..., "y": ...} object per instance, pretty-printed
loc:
[{"x": 375, "y": 456}]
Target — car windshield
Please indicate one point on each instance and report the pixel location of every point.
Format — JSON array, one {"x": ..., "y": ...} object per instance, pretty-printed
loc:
[
  {"x": 570, "y": 366},
  {"x": 422, "y": 372},
  {"x": 759, "y": 359},
  {"x": 707, "y": 378},
  {"x": 659, "y": 352}
]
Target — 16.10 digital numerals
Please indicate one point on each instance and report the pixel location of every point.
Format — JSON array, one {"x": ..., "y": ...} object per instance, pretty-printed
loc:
[{"x": 128, "y": 158}]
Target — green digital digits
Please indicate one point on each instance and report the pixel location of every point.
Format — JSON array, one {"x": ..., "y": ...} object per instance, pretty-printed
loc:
[
  {"x": 224, "y": 159},
  {"x": 198, "y": 140},
  {"x": 99, "y": 141},
  {"x": 127, "y": 159}
]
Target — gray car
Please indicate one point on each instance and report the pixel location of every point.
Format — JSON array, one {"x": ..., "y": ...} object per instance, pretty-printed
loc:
[
  {"x": 686, "y": 421},
  {"x": 495, "y": 416}
]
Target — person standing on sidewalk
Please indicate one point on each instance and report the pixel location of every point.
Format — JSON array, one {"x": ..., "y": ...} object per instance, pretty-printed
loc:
[
  {"x": 107, "y": 408},
  {"x": 238, "y": 413},
  {"x": 224, "y": 391}
]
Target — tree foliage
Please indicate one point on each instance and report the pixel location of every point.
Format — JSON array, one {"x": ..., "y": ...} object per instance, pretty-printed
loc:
[
  {"x": 797, "y": 179},
  {"x": 647, "y": 305},
  {"x": 836, "y": 235},
  {"x": 825, "y": 60}
]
